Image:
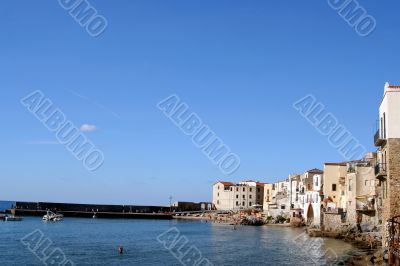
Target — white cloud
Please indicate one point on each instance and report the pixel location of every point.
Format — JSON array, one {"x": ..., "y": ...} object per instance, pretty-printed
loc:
[{"x": 88, "y": 128}]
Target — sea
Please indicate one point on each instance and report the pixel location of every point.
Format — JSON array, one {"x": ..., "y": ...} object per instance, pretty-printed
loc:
[
  {"x": 79, "y": 241},
  {"x": 4, "y": 205}
]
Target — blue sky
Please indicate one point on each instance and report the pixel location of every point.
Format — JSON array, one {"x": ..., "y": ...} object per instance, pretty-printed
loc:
[{"x": 239, "y": 65}]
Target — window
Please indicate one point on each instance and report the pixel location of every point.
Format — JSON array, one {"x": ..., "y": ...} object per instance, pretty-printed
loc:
[
  {"x": 283, "y": 207},
  {"x": 250, "y": 203},
  {"x": 237, "y": 203},
  {"x": 244, "y": 196},
  {"x": 316, "y": 181},
  {"x": 384, "y": 125},
  {"x": 350, "y": 184},
  {"x": 250, "y": 189},
  {"x": 231, "y": 188},
  {"x": 237, "y": 196},
  {"x": 218, "y": 194},
  {"x": 244, "y": 203},
  {"x": 237, "y": 189},
  {"x": 267, "y": 191},
  {"x": 244, "y": 189},
  {"x": 218, "y": 187},
  {"x": 333, "y": 187},
  {"x": 250, "y": 196},
  {"x": 258, "y": 190}
]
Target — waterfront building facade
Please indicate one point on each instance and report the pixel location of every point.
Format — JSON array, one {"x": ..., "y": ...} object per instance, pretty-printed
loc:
[
  {"x": 362, "y": 193},
  {"x": 268, "y": 192},
  {"x": 387, "y": 169},
  {"x": 295, "y": 191},
  {"x": 280, "y": 205},
  {"x": 312, "y": 207},
  {"x": 231, "y": 196},
  {"x": 334, "y": 186}
]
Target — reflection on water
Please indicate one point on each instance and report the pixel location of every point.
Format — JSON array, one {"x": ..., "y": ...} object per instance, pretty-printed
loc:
[
  {"x": 95, "y": 242},
  {"x": 271, "y": 245}
]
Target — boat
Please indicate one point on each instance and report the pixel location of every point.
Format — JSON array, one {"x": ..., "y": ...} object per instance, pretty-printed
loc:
[
  {"x": 12, "y": 218},
  {"x": 54, "y": 217}
]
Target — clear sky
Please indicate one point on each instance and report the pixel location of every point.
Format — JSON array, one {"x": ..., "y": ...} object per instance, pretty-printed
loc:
[{"x": 239, "y": 65}]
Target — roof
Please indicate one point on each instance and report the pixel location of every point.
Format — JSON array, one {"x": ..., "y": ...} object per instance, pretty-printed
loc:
[
  {"x": 226, "y": 183},
  {"x": 338, "y": 164},
  {"x": 392, "y": 86},
  {"x": 315, "y": 170}
]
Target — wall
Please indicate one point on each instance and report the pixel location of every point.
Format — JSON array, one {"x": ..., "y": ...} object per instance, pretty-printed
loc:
[
  {"x": 332, "y": 174},
  {"x": 332, "y": 222},
  {"x": 390, "y": 105}
]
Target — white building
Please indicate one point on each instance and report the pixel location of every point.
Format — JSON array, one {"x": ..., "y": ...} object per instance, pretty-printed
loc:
[
  {"x": 312, "y": 206},
  {"x": 279, "y": 204}
]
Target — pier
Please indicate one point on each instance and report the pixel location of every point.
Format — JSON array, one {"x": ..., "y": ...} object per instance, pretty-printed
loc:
[
  {"x": 108, "y": 215},
  {"x": 92, "y": 210}
]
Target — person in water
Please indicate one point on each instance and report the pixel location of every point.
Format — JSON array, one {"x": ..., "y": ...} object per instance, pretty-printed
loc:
[{"x": 121, "y": 250}]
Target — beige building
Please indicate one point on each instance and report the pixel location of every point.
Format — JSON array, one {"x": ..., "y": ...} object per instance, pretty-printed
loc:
[
  {"x": 361, "y": 193},
  {"x": 231, "y": 196},
  {"x": 268, "y": 192},
  {"x": 334, "y": 185}
]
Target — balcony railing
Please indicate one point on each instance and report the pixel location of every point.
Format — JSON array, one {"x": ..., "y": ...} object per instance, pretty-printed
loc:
[
  {"x": 380, "y": 170},
  {"x": 378, "y": 139}
]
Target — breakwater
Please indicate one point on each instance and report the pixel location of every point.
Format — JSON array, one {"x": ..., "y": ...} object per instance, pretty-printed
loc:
[{"x": 89, "y": 210}]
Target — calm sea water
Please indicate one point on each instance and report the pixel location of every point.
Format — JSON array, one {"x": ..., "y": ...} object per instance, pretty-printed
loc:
[
  {"x": 4, "y": 205},
  {"x": 95, "y": 242}
]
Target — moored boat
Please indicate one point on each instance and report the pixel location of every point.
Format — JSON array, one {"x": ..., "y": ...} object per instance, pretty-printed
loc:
[
  {"x": 12, "y": 218},
  {"x": 54, "y": 217}
]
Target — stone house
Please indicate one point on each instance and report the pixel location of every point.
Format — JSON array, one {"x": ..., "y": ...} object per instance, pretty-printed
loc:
[
  {"x": 387, "y": 169},
  {"x": 361, "y": 193}
]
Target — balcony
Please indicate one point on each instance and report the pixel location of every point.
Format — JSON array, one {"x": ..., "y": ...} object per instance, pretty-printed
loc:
[
  {"x": 379, "y": 140},
  {"x": 380, "y": 170}
]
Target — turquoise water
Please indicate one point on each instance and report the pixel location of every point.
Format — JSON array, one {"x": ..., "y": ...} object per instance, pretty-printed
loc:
[{"x": 96, "y": 241}]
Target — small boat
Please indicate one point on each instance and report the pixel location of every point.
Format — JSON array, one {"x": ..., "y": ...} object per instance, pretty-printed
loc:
[
  {"x": 51, "y": 216},
  {"x": 12, "y": 218}
]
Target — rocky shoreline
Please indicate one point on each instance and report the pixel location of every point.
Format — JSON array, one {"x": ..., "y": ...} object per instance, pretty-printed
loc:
[{"x": 368, "y": 245}]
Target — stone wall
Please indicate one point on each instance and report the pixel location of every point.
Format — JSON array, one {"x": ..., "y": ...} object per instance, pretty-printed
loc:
[
  {"x": 391, "y": 205},
  {"x": 332, "y": 222}
]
